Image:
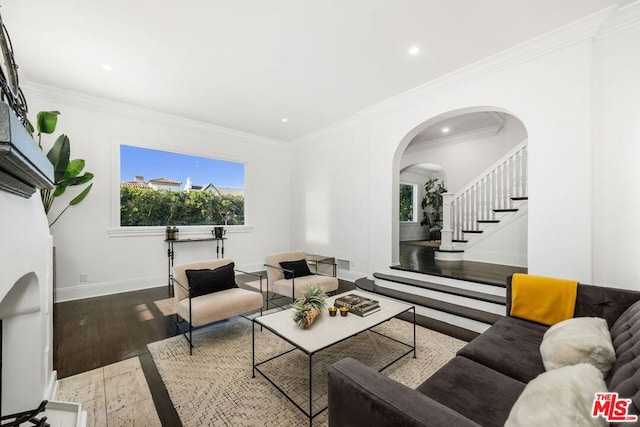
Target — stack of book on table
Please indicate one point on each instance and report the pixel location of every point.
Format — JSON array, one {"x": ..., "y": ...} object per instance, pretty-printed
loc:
[{"x": 357, "y": 304}]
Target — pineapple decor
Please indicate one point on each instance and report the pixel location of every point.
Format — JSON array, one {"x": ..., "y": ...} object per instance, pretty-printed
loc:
[{"x": 308, "y": 308}]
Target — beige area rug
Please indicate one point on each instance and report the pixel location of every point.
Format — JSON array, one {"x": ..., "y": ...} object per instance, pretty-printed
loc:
[
  {"x": 214, "y": 386},
  {"x": 115, "y": 395}
]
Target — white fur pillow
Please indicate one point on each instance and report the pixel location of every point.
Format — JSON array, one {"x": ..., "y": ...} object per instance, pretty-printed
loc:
[
  {"x": 562, "y": 397},
  {"x": 578, "y": 340}
]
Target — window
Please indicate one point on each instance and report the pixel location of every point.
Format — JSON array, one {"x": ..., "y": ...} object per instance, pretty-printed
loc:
[
  {"x": 408, "y": 202},
  {"x": 159, "y": 188}
]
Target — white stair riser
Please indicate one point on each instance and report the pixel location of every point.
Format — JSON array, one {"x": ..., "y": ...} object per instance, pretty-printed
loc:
[
  {"x": 452, "y": 319},
  {"x": 489, "y": 307}
]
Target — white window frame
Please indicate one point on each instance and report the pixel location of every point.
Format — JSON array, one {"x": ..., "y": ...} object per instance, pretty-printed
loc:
[
  {"x": 116, "y": 230},
  {"x": 414, "y": 202}
]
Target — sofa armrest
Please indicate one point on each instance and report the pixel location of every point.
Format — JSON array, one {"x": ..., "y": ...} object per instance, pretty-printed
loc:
[{"x": 360, "y": 396}]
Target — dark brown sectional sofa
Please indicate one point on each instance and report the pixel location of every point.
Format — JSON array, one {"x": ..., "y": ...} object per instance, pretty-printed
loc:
[{"x": 481, "y": 384}]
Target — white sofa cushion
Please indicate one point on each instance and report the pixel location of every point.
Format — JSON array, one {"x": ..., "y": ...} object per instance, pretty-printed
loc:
[
  {"x": 210, "y": 308},
  {"x": 561, "y": 397},
  {"x": 578, "y": 340}
]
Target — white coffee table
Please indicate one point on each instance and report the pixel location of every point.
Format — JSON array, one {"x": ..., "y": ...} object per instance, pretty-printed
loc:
[{"x": 325, "y": 332}]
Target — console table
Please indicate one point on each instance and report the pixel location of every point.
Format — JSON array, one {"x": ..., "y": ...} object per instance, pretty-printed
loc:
[{"x": 171, "y": 252}]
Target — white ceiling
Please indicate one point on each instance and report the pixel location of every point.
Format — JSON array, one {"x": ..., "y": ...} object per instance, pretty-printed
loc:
[
  {"x": 246, "y": 64},
  {"x": 480, "y": 124}
]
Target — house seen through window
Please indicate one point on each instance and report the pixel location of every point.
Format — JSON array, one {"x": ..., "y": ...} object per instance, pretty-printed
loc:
[
  {"x": 159, "y": 188},
  {"x": 408, "y": 202}
]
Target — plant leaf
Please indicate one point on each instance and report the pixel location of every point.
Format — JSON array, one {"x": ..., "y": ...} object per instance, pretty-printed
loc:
[
  {"x": 46, "y": 121},
  {"x": 59, "y": 157},
  {"x": 77, "y": 180},
  {"x": 80, "y": 197},
  {"x": 74, "y": 168},
  {"x": 59, "y": 191}
]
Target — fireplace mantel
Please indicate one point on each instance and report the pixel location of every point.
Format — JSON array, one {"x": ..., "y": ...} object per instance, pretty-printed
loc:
[{"x": 23, "y": 165}]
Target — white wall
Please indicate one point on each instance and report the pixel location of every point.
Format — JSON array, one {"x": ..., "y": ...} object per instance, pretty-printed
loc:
[
  {"x": 86, "y": 237},
  {"x": 26, "y": 301},
  {"x": 616, "y": 175},
  {"x": 507, "y": 246},
  {"x": 549, "y": 92},
  {"x": 330, "y": 195}
]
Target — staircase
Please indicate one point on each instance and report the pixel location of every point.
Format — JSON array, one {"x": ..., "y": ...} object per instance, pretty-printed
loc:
[
  {"x": 454, "y": 298},
  {"x": 493, "y": 200}
]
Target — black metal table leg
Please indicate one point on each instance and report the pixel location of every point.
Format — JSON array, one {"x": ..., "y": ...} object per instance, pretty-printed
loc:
[
  {"x": 310, "y": 392},
  {"x": 414, "y": 331},
  {"x": 253, "y": 348}
]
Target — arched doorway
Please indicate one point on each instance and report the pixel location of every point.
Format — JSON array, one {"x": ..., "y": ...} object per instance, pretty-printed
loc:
[{"x": 461, "y": 149}]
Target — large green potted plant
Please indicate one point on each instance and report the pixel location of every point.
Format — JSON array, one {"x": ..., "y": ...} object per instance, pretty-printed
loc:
[
  {"x": 432, "y": 199},
  {"x": 67, "y": 172}
]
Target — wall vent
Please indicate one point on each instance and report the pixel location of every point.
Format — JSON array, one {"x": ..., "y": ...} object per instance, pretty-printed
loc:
[{"x": 344, "y": 264}]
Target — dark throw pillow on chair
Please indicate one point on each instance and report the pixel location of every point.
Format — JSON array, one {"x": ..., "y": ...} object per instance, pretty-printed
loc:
[
  {"x": 206, "y": 281},
  {"x": 300, "y": 268}
]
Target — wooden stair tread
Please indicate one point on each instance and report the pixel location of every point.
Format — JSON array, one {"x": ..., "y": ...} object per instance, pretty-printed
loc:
[
  {"x": 445, "y": 307},
  {"x": 433, "y": 324},
  {"x": 488, "y": 221},
  {"x": 506, "y": 210},
  {"x": 520, "y": 198},
  {"x": 472, "y": 231}
]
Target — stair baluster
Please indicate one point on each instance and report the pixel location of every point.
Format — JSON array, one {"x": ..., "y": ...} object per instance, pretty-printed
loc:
[{"x": 493, "y": 189}]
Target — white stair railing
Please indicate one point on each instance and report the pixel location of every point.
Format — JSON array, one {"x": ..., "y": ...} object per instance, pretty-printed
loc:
[{"x": 493, "y": 189}]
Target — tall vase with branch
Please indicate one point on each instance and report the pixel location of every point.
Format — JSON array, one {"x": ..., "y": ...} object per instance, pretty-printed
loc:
[{"x": 67, "y": 172}]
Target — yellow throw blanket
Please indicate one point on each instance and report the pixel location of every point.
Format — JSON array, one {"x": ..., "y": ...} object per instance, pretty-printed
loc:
[{"x": 542, "y": 299}]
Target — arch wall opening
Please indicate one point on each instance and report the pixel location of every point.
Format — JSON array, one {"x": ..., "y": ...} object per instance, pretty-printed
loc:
[{"x": 457, "y": 147}]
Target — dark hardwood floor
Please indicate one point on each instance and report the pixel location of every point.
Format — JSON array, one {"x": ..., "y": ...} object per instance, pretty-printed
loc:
[
  {"x": 95, "y": 332},
  {"x": 421, "y": 259}
]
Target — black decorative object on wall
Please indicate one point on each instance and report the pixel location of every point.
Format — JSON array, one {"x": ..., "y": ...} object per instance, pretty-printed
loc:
[
  {"x": 23, "y": 166},
  {"x": 11, "y": 92}
]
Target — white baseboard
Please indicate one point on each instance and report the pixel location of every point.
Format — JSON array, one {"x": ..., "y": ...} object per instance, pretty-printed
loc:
[
  {"x": 91, "y": 290},
  {"x": 52, "y": 388},
  {"x": 496, "y": 257}
]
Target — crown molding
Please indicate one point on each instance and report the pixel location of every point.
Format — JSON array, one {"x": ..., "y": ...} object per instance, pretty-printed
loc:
[
  {"x": 311, "y": 137},
  {"x": 103, "y": 105},
  {"x": 625, "y": 16},
  {"x": 580, "y": 30}
]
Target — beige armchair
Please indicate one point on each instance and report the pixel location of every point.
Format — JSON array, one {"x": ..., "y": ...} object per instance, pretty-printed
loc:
[
  {"x": 201, "y": 310},
  {"x": 280, "y": 286}
]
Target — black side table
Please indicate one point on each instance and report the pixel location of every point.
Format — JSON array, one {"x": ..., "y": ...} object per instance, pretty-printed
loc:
[{"x": 171, "y": 252}]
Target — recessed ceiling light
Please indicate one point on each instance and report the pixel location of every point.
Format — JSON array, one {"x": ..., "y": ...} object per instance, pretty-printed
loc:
[
  {"x": 106, "y": 67},
  {"x": 414, "y": 50},
  {"x": 285, "y": 120},
  {"x": 445, "y": 130}
]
